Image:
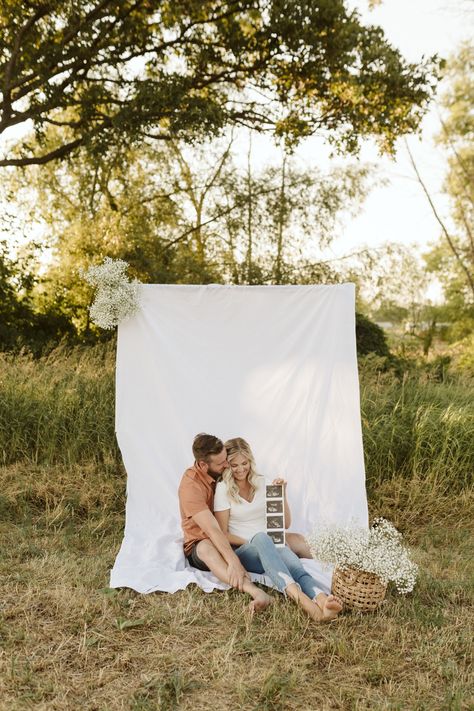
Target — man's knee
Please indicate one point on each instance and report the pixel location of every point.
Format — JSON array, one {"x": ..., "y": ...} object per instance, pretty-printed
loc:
[
  {"x": 207, "y": 551},
  {"x": 211, "y": 557}
]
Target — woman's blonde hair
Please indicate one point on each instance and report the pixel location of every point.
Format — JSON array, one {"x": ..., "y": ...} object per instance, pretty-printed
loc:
[{"x": 234, "y": 446}]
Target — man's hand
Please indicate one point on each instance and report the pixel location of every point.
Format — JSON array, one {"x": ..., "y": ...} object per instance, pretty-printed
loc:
[{"x": 237, "y": 574}]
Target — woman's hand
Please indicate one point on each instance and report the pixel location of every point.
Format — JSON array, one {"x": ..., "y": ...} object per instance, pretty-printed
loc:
[{"x": 280, "y": 481}]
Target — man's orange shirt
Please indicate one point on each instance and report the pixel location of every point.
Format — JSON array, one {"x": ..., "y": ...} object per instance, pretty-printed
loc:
[{"x": 196, "y": 494}]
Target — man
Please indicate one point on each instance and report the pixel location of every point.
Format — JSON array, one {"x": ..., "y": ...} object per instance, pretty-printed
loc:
[{"x": 205, "y": 545}]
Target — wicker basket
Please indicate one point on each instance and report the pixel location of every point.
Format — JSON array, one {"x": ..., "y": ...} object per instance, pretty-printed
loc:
[{"x": 357, "y": 589}]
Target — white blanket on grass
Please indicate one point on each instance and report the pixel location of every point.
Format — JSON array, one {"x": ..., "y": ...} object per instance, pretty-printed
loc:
[{"x": 273, "y": 364}]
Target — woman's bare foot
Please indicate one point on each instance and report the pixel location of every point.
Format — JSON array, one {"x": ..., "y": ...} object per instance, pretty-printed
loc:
[
  {"x": 309, "y": 606},
  {"x": 260, "y": 601},
  {"x": 330, "y": 606}
]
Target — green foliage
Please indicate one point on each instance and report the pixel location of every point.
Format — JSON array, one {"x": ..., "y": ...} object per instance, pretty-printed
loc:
[
  {"x": 370, "y": 337},
  {"x": 452, "y": 258},
  {"x": 15, "y": 314},
  {"x": 116, "y": 71},
  {"x": 392, "y": 280},
  {"x": 58, "y": 406},
  {"x": 181, "y": 215},
  {"x": 21, "y": 323},
  {"x": 390, "y": 310},
  {"x": 462, "y": 355},
  {"x": 417, "y": 426},
  {"x": 59, "y": 409},
  {"x": 458, "y": 307}
]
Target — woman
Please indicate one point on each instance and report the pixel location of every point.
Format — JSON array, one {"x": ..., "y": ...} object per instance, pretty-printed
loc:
[{"x": 239, "y": 507}]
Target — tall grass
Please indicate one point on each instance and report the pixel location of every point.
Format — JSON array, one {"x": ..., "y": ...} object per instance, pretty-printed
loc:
[
  {"x": 416, "y": 427},
  {"x": 60, "y": 410}
]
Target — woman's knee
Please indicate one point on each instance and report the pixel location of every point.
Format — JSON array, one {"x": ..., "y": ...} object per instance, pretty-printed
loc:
[
  {"x": 290, "y": 558},
  {"x": 260, "y": 538}
]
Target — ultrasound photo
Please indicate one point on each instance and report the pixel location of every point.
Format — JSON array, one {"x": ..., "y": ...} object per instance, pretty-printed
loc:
[
  {"x": 278, "y": 537},
  {"x": 274, "y": 491},
  {"x": 274, "y": 507},
  {"x": 275, "y": 522}
]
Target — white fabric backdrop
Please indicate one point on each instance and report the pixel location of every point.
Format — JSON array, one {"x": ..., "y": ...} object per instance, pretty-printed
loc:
[{"x": 273, "y": 364}]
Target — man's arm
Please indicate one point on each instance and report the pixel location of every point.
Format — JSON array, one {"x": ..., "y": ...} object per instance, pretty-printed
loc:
[
  {"x": 223, "y": 521},
  {"x": 208, "y": 523}
]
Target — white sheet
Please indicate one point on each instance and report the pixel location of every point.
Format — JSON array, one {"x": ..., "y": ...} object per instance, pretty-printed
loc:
[{"x": 274, "y": 364}]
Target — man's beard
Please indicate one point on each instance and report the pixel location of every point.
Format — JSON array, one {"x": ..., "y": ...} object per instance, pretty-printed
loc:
[{"x": 215, "y": 475}]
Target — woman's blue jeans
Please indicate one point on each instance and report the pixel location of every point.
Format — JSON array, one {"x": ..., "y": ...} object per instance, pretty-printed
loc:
[{"x": 261, "y": 555}]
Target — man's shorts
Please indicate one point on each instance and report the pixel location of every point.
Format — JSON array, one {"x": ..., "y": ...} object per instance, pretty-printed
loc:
[{"x": 194, "y": 559}]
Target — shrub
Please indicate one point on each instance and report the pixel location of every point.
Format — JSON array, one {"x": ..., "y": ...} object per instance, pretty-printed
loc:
[{"x": 370, "y": 337}]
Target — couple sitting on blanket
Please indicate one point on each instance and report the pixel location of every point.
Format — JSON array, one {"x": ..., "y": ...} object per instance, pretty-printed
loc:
[{"x": 224, "y": 528}]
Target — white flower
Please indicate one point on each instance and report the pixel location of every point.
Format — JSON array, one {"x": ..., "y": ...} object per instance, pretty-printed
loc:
[
  {"x": 116, "y": 297},
  {"x": 378, "y": 550}
]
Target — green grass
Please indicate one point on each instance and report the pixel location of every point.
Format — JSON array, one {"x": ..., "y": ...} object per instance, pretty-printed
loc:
[
  {"x": 418, "y": 428},
  {"x": 69, "y": 642},
  {"x": 60, "y": 410}
]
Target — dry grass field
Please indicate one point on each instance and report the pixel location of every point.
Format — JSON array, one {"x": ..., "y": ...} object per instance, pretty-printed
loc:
[{"x": 68, "y": 642}]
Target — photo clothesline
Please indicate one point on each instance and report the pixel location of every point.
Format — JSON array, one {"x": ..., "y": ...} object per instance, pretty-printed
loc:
[{"x": 275, "y": 513}]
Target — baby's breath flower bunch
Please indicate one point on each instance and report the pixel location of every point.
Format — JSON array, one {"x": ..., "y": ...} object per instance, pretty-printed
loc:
[
  {"x": 116, "y": 297},
  {"x": 376, "y": 550}
]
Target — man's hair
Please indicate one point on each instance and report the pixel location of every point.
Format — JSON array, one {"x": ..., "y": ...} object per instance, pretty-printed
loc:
[{"x": 205, "y": 445}]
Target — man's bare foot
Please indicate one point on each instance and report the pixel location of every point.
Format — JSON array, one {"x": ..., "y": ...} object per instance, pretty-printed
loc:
[
  {"x": 330, "y": 606},
  {"x": 260, "y": 602}
]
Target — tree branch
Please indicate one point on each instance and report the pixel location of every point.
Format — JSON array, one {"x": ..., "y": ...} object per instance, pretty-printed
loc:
[
  {"x": 448, "y": 237},
  {"x": 60, "y": 152}
]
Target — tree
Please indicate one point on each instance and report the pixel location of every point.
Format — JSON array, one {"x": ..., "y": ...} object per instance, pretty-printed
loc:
[
  {"x": 457, "y": 137},
  {"x": 116, "y": 71},
  {"x": 452, "y": 258},
  {"x": 180, "y": 214},
  {"x": 112, "y": 205},
  {"x": 13, "y": 313},
  {"x": 283, "y": 217},
  {"x": 393, "y": 281},
  {"x": 20, "y": 323}
]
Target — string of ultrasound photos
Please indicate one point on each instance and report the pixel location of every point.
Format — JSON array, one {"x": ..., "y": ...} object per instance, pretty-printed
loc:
[{"x": 275, "y": 513}]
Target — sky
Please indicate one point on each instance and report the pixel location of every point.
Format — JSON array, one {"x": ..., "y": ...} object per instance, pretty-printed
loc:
[{"x": 398, "y": 211}]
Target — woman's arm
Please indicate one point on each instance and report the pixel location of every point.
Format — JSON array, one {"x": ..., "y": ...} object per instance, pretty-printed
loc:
[
  {"x": 223, "y": 521},
  {"x": 287, "y": 506}
]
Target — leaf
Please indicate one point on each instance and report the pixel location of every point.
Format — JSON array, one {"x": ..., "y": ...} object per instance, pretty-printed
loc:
[
  {"x": 124, "y": 624},
  {"x": 91, "y": 641}
]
